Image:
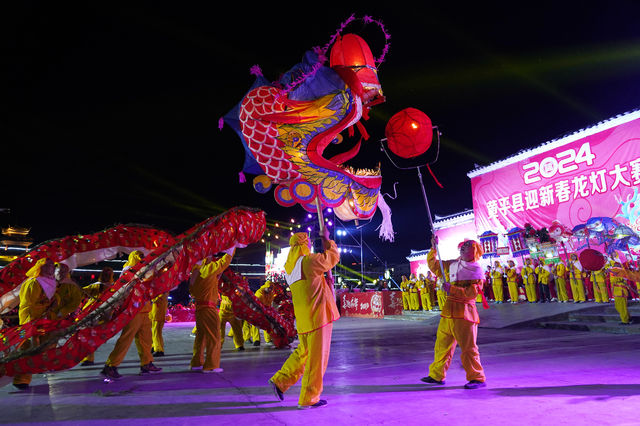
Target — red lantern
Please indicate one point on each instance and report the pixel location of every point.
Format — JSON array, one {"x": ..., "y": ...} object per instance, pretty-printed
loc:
[
  {"x": 351, "y": 50},
  {"x": 409, "y": 133}
]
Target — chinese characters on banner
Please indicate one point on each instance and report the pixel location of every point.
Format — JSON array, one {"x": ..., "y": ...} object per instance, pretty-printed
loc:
[{"x": 571, "y": 182}]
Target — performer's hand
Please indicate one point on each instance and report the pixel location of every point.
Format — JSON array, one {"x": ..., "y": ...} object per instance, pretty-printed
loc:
[
  {"x": 617, "y": 272},
  {"x": 446, "y": 286},
  {"x": 324, "y": 233},
  {"x": 434, "y": 241}
]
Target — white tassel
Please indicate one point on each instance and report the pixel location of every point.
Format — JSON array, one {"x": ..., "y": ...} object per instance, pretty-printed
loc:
[{"x": 386, "y": 227}]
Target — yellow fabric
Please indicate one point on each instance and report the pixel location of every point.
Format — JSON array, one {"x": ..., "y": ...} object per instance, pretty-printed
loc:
[
  {"x": 512, "y": 283},
  {"x": 226, "y": 306},
  {"x": 314, "y": 304},
  {"x": 425, "y": 294},
  {"x": 299, "y": 246},
  {"x": 134, "y": 258},
  {"x": 451, "y": 332},
  {"x": 227, "y": 316},
  {"x": 206, "y": 346},
  {"x": 68, "y": 297},
  {"x": 460, "y": 303},
  {"x": 622, "y": 308},
  {"x": 33, "y": 301},
  {"x": 158, "y": 317},
  {"x": 529, "y": 280},
  {"x": 205, "y": 285},
  {"x": 497, "y": 285},
  {"x": 34, "y": 271},
  {"x": 138, "y": 329},
  {"x": 577, "y": 285},
  {"x": 309, "y": 360}
]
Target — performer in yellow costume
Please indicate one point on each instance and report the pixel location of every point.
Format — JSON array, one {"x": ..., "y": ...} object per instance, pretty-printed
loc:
[
  {"x": 575, "y": 278},
  {"x": 599, "y": 279},
  {"x": 158, "y": 316},
  {"x": 68, "y": 294},
  {"x": 559, "y": 273},
  {"x": 404, "y": 287},
  {"x": 204, "y": 289},
  {"x": 414, "y": 296},
  {"x": 464, "y": 279},
  {"x": 36, "y": 298},
  {"x": 138, "y": 329},
  {"x": 618, "y": 276},
  {"x": 544, "y": 273},
  {"x": 228, "y": 316},
  {"x": 264, "y": 294},
  {"x": 425, "y": 293},
  {"x": 94, "y": 291},
  {"x": 512, "y": 281},
  {"x": 496, "y": 275},
  {"x": 529, "y": 280},
  {"x": 315, "y": 310}
]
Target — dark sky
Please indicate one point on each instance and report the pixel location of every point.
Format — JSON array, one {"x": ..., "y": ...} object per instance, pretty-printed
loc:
[{"x": 109, "y": 114}]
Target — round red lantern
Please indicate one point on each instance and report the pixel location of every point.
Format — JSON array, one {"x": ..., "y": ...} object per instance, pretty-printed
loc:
[
  {"x": 409, "y": 133},
  {"x": 592, "y": 260}
]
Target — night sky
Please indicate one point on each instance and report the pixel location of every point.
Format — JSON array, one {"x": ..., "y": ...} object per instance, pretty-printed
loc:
[{"x": 109, "y": 114}]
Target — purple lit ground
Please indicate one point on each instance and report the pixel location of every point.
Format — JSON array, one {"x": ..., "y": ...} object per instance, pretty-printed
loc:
[{"x": 535, "y": 376}]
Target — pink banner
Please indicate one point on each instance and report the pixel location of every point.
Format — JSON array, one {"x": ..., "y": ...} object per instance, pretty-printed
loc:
[{"x": 595, "y": 175}]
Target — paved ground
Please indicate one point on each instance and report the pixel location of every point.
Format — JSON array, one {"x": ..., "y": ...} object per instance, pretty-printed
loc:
[{"x": 535, "y": 376}]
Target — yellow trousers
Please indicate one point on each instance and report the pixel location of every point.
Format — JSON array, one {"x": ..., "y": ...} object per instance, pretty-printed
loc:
[
  {"x": 577, "y": 288},
  {"x": 236, "y": 328},
  {"x": 513, "y": 291},
  {"x": 414, "y": 298},
  {"x": 156, "y": 335},
  {"x": 530, "y": 289},
  {"x": 561, "y": 289},
  {"x": 23, "y": 378},
  {"x": 138, "y": 329},
  {"x": 451, "y": 332},
  {"x": 206, "y": 346},
  {"x": 309, "y": 361},
  {"x": 621, "y": 307},
  {"x": 498, "y": 291},
  {"x": 405, "y": 301},
  {"x": 425, "y": 298},
  {"x": 600, "y": 292}
]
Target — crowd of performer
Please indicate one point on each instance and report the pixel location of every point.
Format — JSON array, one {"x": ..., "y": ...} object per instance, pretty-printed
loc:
[
  {"x": 535, "y": 282},
  {"x": 452, "y": 287}
]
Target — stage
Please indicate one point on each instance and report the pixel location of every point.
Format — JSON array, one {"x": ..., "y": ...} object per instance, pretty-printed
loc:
[{"x": 534, "y": 376}]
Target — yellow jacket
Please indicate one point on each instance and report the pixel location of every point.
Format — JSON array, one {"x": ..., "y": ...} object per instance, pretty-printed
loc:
[
  {"x": 527, "y": 273},
  {"x": 313, "y": 300},
  {"x": 496, "y": 274},
  {"x": 543, "y": 275},
  {"x": 68, "y": 297},
  {"x": 619, "y": 286},
  {"x": 461, "y": 300},
  {"x": 511, "y": 275},
  {"x": 598, "y": 276},
  {"x": 33, "y": 301},
  {"x": 204, "y": 287}
]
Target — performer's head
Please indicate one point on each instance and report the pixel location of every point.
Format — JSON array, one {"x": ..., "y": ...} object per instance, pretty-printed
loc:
[
  {"x": 62, "y": 271},
  {"x": 106, "y": 275},
  {"x": 497, "y": 264},
  {"x": 43, "y": 268},
  {"x": 511, "y": 263},
  {"x": 300, "y": 245},
  {"x": 470, "y": 251}
]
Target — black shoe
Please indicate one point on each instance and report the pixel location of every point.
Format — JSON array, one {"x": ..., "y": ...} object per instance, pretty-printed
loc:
[
  {"x": 256, "y": 343},
  {"x": 85, "y": 363},
  {"x": 158, "y": 353},
  {"x": 241, "y": 348},
  {"x": 430, "y": 380},
  {"x": 21, "y": 386},
  {"x": 149, "y": 369},
  {"x": 475, "y": 384},
  {"x": 276, "y": 391},
  {"x": 319, "y": 404},
  {"x": 110, "y": 373}
]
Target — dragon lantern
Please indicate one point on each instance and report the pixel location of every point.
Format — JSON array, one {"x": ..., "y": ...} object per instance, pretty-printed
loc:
[{"x": 285, "y": 127}]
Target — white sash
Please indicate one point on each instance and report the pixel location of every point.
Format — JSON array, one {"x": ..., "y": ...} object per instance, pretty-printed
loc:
[{"x": 296, "y": 273}]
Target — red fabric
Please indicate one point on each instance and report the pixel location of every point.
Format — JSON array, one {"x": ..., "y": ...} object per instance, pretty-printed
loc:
[{"x": 409, "y": 133}]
